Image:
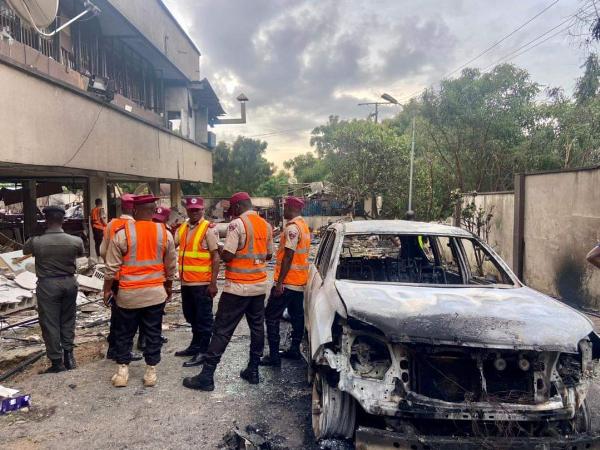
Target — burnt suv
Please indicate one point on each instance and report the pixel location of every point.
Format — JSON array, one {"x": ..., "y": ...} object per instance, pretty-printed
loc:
[{"x": 426, "y": 334}]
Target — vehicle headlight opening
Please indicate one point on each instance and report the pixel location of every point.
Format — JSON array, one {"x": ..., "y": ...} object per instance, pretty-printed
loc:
[{"x": 370, "y": 357}]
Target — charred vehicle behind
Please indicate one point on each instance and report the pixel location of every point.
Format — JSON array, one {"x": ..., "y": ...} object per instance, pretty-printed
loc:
[{"x": 425, "y": 332}]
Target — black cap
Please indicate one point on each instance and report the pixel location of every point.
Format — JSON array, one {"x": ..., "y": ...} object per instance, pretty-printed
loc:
[{"x": 54, "y": 209}]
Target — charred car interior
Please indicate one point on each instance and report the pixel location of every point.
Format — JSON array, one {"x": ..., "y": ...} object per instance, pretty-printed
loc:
[{"x": 419, "y": 336}]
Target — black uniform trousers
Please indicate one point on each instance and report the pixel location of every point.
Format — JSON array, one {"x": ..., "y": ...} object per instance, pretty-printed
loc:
[
  {"x": 229, "y": 313},
  {"x": 56, "y": 303},
  {"x": 197, "y": 310},
  {"x": 294, "y": 302},
  {"x": 98, "y": 236},
  {"x": 149, "y": 321}
]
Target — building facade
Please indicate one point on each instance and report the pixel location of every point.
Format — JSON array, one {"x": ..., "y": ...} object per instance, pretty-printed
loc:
[{"x": 114, "y": 97}]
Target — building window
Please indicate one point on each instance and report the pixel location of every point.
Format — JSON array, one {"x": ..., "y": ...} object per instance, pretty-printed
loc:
[{"x": 174, "y": 121}]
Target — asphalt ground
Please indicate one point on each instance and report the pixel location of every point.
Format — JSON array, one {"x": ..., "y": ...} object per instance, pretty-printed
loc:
[{"x": 81, "y": 410}]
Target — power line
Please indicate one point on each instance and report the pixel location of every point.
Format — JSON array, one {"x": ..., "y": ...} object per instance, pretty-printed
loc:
[
  {"x": 495, "y": 44},
  {"x": 518, "y": 51}
]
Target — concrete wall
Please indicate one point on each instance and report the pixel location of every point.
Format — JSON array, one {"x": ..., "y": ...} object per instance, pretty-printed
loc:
[
  {"x": 562, "y": 223},
  {"x": 502, "y": 206},
  {"x": 43, "y": 123},
  {"x": 157, "y": 25}
]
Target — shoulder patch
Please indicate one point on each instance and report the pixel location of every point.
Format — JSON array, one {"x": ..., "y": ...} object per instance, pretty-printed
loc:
[
  {"x": 212, "y": 225},
  {"x": 232, "y": 226}
]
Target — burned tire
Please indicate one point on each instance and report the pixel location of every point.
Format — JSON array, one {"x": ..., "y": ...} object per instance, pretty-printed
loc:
[{"x": 333, "y": 411}]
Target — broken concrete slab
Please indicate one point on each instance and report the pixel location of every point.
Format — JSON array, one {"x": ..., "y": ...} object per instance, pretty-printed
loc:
[
  {"x": 17, "y": 267},
  {"x": 26, "y": 280}
]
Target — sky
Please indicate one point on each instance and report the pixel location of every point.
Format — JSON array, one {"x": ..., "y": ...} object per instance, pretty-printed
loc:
[{"x": 300, "y": 61}]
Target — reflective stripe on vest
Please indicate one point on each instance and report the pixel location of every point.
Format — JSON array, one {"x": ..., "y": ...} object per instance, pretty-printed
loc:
[
  {"x": 195, "y": 264},
  {"x": 143, "y": 264},
  {"x": 249, "y": 265},
  {"x": 111, "y": 230},
  {"x": 97, "y": 218},
  {"x": 298, "y": 273}
]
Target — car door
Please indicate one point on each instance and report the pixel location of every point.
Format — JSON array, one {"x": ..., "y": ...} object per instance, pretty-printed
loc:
[{"x": 317, "y": 304}]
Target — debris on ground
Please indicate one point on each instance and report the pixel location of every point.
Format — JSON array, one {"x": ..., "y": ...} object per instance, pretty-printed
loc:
[
  {"x": 336, "y": 444},
  {"x": 252, "y": 437},
  {"x": 10, "y": 400}
]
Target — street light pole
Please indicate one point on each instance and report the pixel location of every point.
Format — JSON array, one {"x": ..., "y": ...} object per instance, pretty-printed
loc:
[{"x": 410, "y": 212}]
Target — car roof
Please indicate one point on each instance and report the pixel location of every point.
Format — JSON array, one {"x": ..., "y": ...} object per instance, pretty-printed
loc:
[{"x": 399, "y": 227}]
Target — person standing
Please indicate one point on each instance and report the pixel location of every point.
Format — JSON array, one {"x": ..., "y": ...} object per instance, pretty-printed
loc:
[
  {"x": 248, "y": 247},
  {"x": 98, "y": 218},
  {"x": 55, "y": 253},
  {"x": 291, "y": 276},
  {"x": 143, "y": 253},
  {"x": 198, "y": 264},
  {"x": 109, "y": 234}
]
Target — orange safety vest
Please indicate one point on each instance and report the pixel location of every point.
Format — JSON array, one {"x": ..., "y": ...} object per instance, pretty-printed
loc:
[
  {"x": 143, "y": 264},
  {"x": 111, "y": 229},
  {"x": 97, "y": 218},
  {"x": 249, "y": 265},
  {"x": 298, "y": 273},
  {"x": 195, "y": 263}
]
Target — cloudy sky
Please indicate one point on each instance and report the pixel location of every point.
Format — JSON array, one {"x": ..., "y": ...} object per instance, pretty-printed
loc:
[{"x": 300, "y": 61}]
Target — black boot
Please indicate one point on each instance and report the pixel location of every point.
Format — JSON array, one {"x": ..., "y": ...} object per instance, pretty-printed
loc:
[
  {"x": 187, "y": 352},
  {"x": 57, "y": 366},
  {"x": 204, "y": 381},
  {"x": 250, "y": 373},
  {"x": 197, "y": 360},
  {"x": 271, "y": 360},
  {"x": 69, "y": 360},
  {"x": 292, "y": 353}
]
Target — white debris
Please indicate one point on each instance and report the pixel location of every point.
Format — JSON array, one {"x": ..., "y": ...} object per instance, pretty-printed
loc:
[{"x": 26, "y": 280}]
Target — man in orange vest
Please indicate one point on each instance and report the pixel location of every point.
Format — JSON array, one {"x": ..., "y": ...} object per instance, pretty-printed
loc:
[
  {"x": 291, "y": 275},
  {"x": 98, "y": 218},
  {"x": 143, "y": 254},
  {"x": 198, "y": 263},
  {"x": 109, "y": 233},
  {"x": 248, "y": 247}
]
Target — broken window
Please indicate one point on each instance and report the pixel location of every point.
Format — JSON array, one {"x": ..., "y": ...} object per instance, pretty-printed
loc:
[
  {"x": 174, "y": 121},
  {"x": 418, "y": 259}
]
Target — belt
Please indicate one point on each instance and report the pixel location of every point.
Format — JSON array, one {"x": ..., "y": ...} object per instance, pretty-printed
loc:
[{"x": 56, "y": 276}]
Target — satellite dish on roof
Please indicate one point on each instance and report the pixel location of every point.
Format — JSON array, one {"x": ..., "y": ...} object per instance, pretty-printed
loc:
[{"x": 39, "y": 13}]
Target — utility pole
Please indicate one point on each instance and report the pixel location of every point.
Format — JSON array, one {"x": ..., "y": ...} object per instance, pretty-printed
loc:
[
  {"x": 389, "y": 100},
  {"x": 410, "y": 213}
]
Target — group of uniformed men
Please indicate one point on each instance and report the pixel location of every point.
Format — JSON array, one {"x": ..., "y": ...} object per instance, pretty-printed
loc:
[{"x": 141, "y": 264}]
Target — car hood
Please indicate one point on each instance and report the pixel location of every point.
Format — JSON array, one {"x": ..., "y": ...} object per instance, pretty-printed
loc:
[{"x": 518, "y": 318}]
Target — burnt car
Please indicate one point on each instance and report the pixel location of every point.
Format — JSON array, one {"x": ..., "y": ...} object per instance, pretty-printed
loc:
[{"x": 425, "y": 334}]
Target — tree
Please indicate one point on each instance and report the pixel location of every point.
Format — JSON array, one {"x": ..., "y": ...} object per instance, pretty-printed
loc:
[
  {"x": 588, "y": 85},
  {"x": 240, "y": 166},
  {"x": 364, "y": 159},
  {"x": 307, "y": 168},
  {"x": 276, "y": 186}
]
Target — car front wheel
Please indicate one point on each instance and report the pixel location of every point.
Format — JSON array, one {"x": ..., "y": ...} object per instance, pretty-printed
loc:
[{"x": 333, "y": 411}]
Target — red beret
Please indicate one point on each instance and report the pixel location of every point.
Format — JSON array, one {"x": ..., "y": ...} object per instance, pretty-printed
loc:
[
  {"x": 238, "y": 197},
  {"x": 194, "y": 203},
  {"x": 161, "y": 214},
  {"x": 127, "y": 200},
  {"x": 295, "y": 202},
  {"x": 144, "y": 199}
]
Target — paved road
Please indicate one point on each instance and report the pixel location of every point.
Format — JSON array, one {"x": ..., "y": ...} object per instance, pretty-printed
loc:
[{"x": 81, "y": 409}]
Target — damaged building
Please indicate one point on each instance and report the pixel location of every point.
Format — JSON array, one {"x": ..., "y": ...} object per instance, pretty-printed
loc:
[{"x": 116, "y": 97}]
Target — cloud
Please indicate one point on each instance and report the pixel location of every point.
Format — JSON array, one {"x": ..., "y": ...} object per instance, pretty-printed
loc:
[{"x": 300, "y": 61}]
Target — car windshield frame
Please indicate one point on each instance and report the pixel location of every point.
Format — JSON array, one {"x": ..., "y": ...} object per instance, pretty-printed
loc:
[{"x": 456, "y": 239}]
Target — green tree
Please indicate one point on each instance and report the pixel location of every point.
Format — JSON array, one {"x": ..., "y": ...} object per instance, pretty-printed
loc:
[
  {"x": 364, "y": 159},
  {"x": 276, "y": 186},
  {"x": 240, "y": 166},
  {"x": 587, "y": 86},
  {"x": 307, "y": 168}
]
